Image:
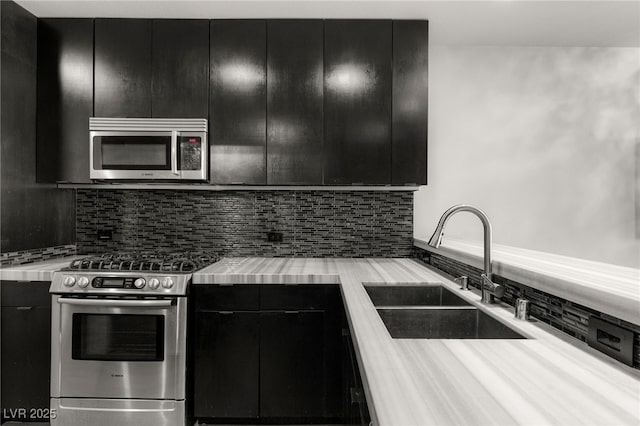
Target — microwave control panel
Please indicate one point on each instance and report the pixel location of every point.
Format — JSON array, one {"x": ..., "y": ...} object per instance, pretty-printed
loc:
[{"x": 190, "y": 152}]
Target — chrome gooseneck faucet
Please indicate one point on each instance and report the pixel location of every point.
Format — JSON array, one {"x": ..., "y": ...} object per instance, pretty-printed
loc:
[{"x": 489, "y": 288}]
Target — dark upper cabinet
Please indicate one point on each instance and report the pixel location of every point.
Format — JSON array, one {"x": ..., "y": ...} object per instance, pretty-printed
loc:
[
  {"x": 238, "y": 101},
  {"x": 122, "y": 81},
  {"x": 289, "y": 102},
  {"x": 294, "y": 102},
  {"x": 180, "y": 71},
  {"x": 151, "y": 68},
  {"x": 409, "y": 117},
  {"x": 357, "y": 101},
  {"x": 64, "y": 99},
  {"x": 18, "y": 33}
]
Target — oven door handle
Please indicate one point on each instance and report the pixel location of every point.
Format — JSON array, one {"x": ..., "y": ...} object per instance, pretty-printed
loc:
[{"x": 116, "y": 303}]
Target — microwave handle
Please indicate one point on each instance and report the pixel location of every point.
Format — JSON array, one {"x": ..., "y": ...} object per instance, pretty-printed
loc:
[
  {"x": 115, "y": 302},
  {"x": 174, "y": 152}
]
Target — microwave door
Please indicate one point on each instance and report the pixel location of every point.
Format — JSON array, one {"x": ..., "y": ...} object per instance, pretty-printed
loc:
[{"x": 137, "y": 155}]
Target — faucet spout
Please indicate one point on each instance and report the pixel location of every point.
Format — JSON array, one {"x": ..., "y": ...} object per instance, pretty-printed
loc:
[{"x": 489, "y": 288}]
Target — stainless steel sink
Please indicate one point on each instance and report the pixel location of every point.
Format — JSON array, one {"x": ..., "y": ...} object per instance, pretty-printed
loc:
[
  {"x": 455, "y": 322},
  {"x": 407, "y": 295},
  {"x": 433, "y": 312}
]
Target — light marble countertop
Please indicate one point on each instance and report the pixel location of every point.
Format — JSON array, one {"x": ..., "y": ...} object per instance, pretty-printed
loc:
[
  {"x": 611, "y": 289},
  {"x": 39, "y": 271},
  {"x": 549, "y": 378}
]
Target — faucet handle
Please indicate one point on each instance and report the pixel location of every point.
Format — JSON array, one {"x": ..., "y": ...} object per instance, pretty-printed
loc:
[
  {"x": 464, "y": 282},
  {"x": 496, "y": 289}
]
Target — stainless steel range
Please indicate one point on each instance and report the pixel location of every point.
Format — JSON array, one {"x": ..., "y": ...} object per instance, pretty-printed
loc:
[{"x": 118, "y": 339}]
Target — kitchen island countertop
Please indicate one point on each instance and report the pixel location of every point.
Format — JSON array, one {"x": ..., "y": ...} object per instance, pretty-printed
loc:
[{"x": 548, "y": 378}]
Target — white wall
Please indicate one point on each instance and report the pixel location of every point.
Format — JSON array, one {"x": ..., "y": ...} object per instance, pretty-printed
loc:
[{"x": 545, "y": 140}]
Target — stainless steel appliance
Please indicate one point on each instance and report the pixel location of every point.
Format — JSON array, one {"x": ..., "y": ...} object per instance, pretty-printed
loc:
[
  {"x": 118, "y": 340},
  {"x": 148, "y": 148}
]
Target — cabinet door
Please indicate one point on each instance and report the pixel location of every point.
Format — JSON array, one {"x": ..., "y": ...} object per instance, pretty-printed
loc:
[
  {"x": 409, "y": 141},
  {"x": 180, "y": 52},
  {"x": 357, "y": 80},
  {"x": 26, "y": 341},
  {"x": 226, "y": 364},
  {"x": 294, "y": 102},
  {"x": 64, "y": 99},
  {"x": 26, "y": 363},
  {"x": 292, "y": 365},
  {"x": 122, "y": 86},
  {"x": 238, "y": 101}
]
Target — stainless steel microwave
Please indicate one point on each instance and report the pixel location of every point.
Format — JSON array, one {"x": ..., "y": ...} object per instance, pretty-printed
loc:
[{"x": 148, "y": 149}]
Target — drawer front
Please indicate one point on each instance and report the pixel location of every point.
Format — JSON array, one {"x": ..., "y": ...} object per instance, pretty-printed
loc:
[
  {"x": 293, "y": 297},
  {"x": 226, "y": 298},
  {"x": 25, "y": 293}
]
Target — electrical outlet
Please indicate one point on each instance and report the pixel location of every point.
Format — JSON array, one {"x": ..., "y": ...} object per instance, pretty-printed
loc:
[
  {"x": 105, "y": 235},
  {"x": 274, "y": 237}
]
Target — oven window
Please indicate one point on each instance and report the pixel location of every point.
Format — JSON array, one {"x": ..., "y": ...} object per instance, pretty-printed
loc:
[
  {"x": 110, "y": 337},
  {"x": 136, "y": 152}
]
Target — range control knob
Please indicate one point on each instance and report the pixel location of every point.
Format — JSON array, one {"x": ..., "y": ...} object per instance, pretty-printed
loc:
[
  {"x": 167, "y": 283},
  {"x": 69, "y": 281},
  {"x": 154, "y": 283},
  {"x": 83, "y": 282},
  {"x": 139, "y": 283}
]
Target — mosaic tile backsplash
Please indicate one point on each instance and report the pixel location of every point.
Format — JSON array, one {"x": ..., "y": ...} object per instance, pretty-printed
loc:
[
  {"x": 36, "y": 255},
  {"x": 569, "y": 317},
  {"x": 236, "y": 223}
]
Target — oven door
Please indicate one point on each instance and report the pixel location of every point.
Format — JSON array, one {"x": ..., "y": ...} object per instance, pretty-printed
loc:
[{"x": 118, "y": 348}]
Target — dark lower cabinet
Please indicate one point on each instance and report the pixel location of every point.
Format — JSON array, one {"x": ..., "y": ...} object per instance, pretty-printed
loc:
[
  {"x": 292, "y": 365},
  {"x": 356, "y": 411},
  {"x": 25, "y": 350},
  {"x": 226, "y": 365},
  {"x": 278, "y": 361}
]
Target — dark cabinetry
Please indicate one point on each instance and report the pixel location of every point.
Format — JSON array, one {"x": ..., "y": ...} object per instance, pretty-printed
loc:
[
  {"x": 64, "y": 99},
  {"x": 226, "y": 356},
  {"x": 409, "y": 116},
  {"x": 25, "y": 356},
  {"x": 357, "y": 64},
  {"x": 269, "y": 352},
  {"x": 237, "y": 130},
  {"x": 226, "y": 364},
  {"x": 122, "y": 68},
  {"x": 151, "y": 68},
  {"x": 294, "y": 101},
  {"x": 292, "y": 364},
  {"x": 290, "y": 102},
  {"x": 356, "y": 411},
  {"x": 180, "y": 72}
]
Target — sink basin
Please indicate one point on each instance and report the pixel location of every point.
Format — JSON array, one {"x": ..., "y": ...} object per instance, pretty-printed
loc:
[
  {"x": 433, "y": 312},
  {"x": 455, "y": 322},
  {"x": 405, "y": 295}
]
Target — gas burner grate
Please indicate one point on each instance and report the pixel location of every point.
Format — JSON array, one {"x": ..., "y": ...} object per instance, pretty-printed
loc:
[{"x": 145, "y": 261}]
